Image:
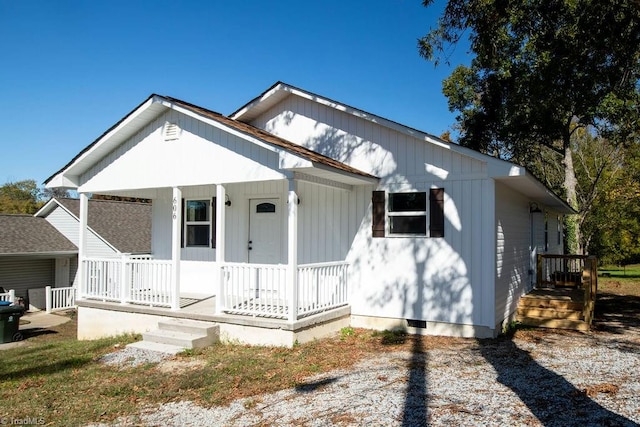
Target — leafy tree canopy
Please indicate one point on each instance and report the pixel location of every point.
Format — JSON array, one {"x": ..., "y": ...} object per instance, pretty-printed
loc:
[
  {"x": 541, "y": 69},
  {"x": 19, "y": 197}
]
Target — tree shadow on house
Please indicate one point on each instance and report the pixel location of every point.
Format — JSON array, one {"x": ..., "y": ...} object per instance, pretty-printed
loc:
[{"x": 552, "y": 399}]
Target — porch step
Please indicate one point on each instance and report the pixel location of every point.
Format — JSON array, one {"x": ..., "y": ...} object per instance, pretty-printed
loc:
[
  {"x": 541, "y": 322},
  {"x": 183, "y": 334},
  {"x": 549, "y": 313},
  {"x": 536, "y": 301}
]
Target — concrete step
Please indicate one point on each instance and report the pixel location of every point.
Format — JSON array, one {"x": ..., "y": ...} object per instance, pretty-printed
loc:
[
  {"x": 190, "y": 327},
  {"x": 184, "y": 333},
  {"x": 577, "y": 325},
  {"x": 549, "y": 313},
  {"x": 154, "y": 346},
  {"x": 181, "y": 339}
]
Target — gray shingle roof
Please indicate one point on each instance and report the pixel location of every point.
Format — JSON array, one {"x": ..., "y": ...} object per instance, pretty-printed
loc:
[
  {"x": 126, "y": 225},
  {"x": 26, "y": 234}
]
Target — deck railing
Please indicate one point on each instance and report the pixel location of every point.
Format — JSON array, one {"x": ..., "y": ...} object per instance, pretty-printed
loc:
[
  {"x": 60, "y": 298},
  {"x": 138, "y": 280},
  {"x": 261, "y": 289},
  {"x": 579, "y": 271},
  {"x": 560, "y": 270}
]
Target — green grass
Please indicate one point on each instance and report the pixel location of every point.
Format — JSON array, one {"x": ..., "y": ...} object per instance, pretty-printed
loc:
[{"x": 626, "y": 272}]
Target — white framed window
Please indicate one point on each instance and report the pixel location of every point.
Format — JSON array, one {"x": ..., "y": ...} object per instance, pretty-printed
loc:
[
  {"x": 197, "y": 223},
  {"x": 407, "y": 213}
]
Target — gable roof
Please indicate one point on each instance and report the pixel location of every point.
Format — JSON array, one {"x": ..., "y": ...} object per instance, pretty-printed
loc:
[
  {"x": 126, "y": 226},
  {"x": 29, "y": 235},
  {"x": 156, "y": 105},
  {"x": 511, "y": 174}
]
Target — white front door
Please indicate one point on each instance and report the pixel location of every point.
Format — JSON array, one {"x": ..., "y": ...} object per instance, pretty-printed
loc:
[{"x": 265, "y": 231}]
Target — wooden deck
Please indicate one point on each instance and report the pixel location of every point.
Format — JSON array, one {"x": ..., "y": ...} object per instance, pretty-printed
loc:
[{"x": 565, "y": 294}]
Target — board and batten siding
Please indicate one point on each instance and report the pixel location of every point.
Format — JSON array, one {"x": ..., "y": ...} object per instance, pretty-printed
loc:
[
  {"x": 187, "y": 161},
  {"x": 446, "y": 279},
  {"x": 23, "y": 273},
  {"x": 393, "y": 156},
  {"x": 513, "y": 255},
  {"x": 69, "y": 226},
  {"x": 328, "y": 220}
]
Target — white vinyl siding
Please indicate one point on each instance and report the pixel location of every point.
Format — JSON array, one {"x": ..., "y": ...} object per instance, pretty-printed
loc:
[
  {"x": 187, "y": 161},
  {"x": 513, "y": 255},
  {"x": 22, "y": 274}
]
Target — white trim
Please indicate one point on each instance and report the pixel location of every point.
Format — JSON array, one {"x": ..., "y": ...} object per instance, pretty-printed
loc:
[{"x": 176, "y": 224}]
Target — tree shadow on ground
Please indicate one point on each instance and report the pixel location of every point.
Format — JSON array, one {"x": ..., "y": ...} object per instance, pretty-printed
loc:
[
  {"x": 617, "y": 314},
  {"x": 415, "y": 402},
  {"x": 552, "y": 399}
]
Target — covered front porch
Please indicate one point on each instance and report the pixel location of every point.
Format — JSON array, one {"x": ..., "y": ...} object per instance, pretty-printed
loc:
[{"x": 256, "y": 290}]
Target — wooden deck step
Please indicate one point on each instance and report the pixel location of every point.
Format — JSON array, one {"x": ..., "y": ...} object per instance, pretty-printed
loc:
[
  {"x": 541, "y": 322},
  {"x": 549, "y": 313},
  {"x": 533, "y": 302}
]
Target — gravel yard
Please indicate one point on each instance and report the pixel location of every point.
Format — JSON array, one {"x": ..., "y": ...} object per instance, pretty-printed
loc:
[{"x": 535, "y": 378}]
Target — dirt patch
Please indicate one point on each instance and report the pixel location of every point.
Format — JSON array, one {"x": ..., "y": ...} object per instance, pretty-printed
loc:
[{"x": 177, "y": 366}]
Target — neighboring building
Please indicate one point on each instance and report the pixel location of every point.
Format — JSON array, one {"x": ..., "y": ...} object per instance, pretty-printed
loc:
[
  {"x": 42, "y": 249},
  {"x": 33, "y": 254},
  {"x": 297, "y": 205}
]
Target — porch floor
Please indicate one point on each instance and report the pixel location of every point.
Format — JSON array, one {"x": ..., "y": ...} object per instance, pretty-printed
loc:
[{"x": 203, "y": 307}]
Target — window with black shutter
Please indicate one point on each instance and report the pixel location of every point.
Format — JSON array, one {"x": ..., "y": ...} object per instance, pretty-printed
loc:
[{"x": 406, "y": 213}]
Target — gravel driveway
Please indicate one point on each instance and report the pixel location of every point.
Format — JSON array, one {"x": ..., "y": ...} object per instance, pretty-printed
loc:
[{"x": 533, "y": 379}]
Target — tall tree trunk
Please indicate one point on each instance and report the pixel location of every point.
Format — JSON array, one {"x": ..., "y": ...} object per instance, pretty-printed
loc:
[{"x": 570, "y": 183}]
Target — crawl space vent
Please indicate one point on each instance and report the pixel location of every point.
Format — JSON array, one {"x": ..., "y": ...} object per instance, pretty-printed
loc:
[{"x": 171, "y": 131}]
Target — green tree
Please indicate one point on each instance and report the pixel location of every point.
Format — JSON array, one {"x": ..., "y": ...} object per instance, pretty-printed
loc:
[
  {"x": 542, "y": 71},
  {"x": 20, "y": 197}
]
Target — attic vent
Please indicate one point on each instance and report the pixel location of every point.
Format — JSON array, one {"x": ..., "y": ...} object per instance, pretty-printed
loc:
[{"x": 171, "y": 131}]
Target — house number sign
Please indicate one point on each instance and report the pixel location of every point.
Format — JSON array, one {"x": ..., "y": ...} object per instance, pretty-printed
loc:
[{"x": 175, "y": 208}]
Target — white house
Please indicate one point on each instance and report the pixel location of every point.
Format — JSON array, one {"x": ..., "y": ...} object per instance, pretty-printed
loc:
[{"x": 301, "y": 215}]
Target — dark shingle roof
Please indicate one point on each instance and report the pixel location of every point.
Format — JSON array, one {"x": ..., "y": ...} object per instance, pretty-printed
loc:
[
  {"x": 126, "y": 225},
  {"x": 26, "y": 234}
]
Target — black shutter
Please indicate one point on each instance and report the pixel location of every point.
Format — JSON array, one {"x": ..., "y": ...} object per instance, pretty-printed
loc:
[
  {"x": 378, "y": 213},
  {"x": 436, "y": 212},
  {"x": 182, "y": 222},
  {"x": 213, "y": 222}
]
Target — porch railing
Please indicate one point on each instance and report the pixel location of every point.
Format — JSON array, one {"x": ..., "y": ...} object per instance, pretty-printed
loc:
[
  {"x": 138, "y": 280},
  {"x": 261, "y": 289},
  {"x": 60, "y": 298},
  {"x": 321, "y": 287},
  {"x": 255, "y": 289}
]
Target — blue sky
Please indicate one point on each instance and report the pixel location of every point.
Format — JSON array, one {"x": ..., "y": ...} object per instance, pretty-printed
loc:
[{"x": 71, "y": 69}]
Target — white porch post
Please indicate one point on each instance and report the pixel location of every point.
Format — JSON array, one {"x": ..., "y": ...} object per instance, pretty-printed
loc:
[
  {"x": 292, "y": 250},
  {"x": 220, "y": 245},
  {"x": 176, "y": 230},
  {"x": 82, "y": 244}
]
